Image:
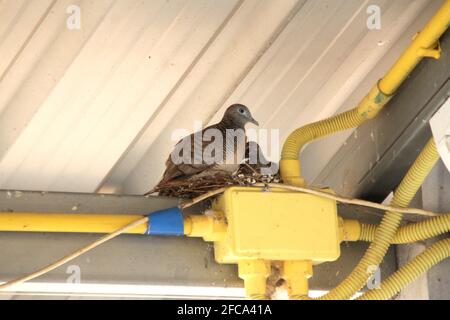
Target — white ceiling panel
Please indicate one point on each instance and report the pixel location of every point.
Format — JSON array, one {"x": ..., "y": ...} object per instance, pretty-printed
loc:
[{"x": 94, "y": 109}]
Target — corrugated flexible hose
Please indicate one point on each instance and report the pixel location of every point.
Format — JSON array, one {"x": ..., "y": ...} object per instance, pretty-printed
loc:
[
  {"x": 313, "y": 131},
  {"x": 388, "y": 227},
  {"x": 412, "y": 232},
  {"x": 410, "y": 272}
]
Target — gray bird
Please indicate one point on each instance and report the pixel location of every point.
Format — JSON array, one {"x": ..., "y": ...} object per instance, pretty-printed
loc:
[{"x": 232, "y": 152}]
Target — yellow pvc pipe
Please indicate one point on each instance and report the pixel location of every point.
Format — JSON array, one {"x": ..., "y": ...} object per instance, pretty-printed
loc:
[
  {"x": 423, "y": 45},
  {"x": 208, "y": 227},
  {"x": 62, "y": 222},
  {"x": 255, "y": 274},
  {"x": 296, "y": 275}
]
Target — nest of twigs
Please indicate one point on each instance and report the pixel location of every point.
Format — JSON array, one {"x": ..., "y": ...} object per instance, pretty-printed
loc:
[{"x": 196, "y": 186}]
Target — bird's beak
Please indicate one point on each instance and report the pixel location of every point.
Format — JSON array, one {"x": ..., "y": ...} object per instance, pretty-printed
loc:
[{"x": 252, "y": 120}]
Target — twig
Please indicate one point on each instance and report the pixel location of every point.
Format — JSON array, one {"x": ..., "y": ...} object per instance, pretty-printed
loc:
[
  {"x": 254, "y": 171},
  {"x": 201, "y": 198},
  {"x": 149, "y": 193}
]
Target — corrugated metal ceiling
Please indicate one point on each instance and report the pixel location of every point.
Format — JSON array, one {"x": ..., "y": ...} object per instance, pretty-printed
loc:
[{"x": 94, "y": 109}]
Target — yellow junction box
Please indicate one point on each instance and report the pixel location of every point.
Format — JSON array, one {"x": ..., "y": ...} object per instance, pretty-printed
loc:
[{"x": 277, "y": 225}]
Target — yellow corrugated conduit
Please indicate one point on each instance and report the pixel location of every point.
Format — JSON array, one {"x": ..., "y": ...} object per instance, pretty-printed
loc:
[
  {"x": 410, "y": 272},
  {"x": 388, "y": 227},
  {"x": 425, "y": 44},
  {"x": 409, "y": 233},
  {"x": 290, "y": 165}
]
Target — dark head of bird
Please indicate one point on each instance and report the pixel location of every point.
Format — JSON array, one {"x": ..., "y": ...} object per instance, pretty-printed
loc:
[{"x": 238, "y": 115}]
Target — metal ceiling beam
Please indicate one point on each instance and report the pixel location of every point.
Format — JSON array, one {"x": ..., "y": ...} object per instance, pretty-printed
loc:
[{"x": 137, "y": 260}]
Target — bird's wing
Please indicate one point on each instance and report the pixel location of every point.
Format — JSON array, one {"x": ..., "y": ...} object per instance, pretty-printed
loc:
[{"x": 190, "y": 164}]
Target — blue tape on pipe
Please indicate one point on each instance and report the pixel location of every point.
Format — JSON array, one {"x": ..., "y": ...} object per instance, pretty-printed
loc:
[{"x": 167, "y": 222}]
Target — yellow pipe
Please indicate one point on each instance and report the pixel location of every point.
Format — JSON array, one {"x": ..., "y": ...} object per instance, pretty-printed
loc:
[
  {"x": 210, "y": 228},
  {"x": 409, "y": 272},
  {"x": 353, "y": 230},
  {"x": 255, "y": 274},
  {"x": 62, "y": 222},
  {"x": 290, "y": 167},
  {"x": 422, "y": 46},
  {"x": 296, "y": 275},
  {"x": 350, "y": 229}
]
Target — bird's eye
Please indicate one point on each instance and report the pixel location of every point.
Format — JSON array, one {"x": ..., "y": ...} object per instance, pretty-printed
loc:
[{"x": 242, "y": 111}]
